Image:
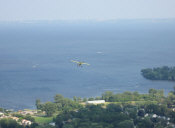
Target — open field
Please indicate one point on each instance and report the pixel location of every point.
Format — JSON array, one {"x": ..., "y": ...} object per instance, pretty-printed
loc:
[{"x": 43, "y": 120}]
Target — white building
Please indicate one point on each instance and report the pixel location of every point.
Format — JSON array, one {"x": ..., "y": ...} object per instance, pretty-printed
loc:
[
  {"x": 52, "y": 124},
  {"x": 96, "y": 102},
  {"x": 1, "y": 114},
  {"x": 25, "y": 112},
  {"x": 155, "y": 116},
  {"x": 146, "y": 115},
  {"x": 26, "y": 122},
  {"x": 15, "y": 118}
]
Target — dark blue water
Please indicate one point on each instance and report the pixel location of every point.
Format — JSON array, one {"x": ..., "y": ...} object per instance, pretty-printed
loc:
[{"x": 35, "y": 59}]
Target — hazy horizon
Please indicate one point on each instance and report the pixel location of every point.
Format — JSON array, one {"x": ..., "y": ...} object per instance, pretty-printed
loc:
[
  {"x": 90, "y": 20},
  {"x": 100, "y": 10}
]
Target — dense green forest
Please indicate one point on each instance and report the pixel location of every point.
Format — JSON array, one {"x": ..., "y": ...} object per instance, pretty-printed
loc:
[
  {"x": 125, "y": 110},
  {"x": 121, "y": 110},
  {"x": 160, "y": 73}
]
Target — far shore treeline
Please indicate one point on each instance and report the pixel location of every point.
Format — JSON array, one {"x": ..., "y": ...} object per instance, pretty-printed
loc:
[{"x": 159, "y": 73}]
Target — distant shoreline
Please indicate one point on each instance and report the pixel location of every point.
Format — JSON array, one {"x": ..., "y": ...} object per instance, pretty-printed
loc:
[{"x": 159, "y": 73}]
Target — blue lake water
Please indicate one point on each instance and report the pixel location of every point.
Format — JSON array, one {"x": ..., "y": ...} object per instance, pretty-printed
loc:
[{"x": 35, "y": 59}]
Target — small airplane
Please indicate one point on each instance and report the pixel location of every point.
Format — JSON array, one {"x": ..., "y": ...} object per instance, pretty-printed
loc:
[{"x": 79, "y": 63}]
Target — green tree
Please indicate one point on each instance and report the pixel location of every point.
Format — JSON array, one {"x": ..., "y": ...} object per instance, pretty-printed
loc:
[
  {"x": 145, "y": 123},
  {"x": 9, "y": 123},
  {"x": 39, "y": 105},
  {"x": 59, "y": 98},
  {"x": 90, "y": 99},
  {"x": 75, "y": 99},
  {"x": 107, "y": 95},
  {"x": 114, "y": 108},
  {"x": 126, "y": 124},
  {"x": 50, "y": 108},
  {"x": 84, "y": 99}
]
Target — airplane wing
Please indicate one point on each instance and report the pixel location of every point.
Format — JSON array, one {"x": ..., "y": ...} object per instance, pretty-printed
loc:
[
  {"x": 75, "y": 61},
  {"x": 86, "y": 63}
]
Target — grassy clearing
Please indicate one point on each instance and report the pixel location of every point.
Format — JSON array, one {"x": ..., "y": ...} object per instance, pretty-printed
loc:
[
  {"x": 43, "y": 120},
  {"x": 30, "y": 110},
  {"x": 133, "y": 102}
]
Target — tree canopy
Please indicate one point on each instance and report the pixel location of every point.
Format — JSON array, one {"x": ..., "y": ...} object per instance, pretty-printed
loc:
[{"x": 159, "y": 73}]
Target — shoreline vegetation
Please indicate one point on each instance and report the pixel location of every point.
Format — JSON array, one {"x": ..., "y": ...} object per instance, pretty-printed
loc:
[
  {"x": 121, "y": 110},
  {"x": 110, "y": 110},
  {"x": 159, "y": 73}
]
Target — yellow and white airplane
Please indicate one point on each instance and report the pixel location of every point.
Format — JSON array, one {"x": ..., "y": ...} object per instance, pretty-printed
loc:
[{"x": 79, "y": 63}]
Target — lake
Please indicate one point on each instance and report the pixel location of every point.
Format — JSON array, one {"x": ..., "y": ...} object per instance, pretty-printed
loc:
[{"x": 35, "y": 58}]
